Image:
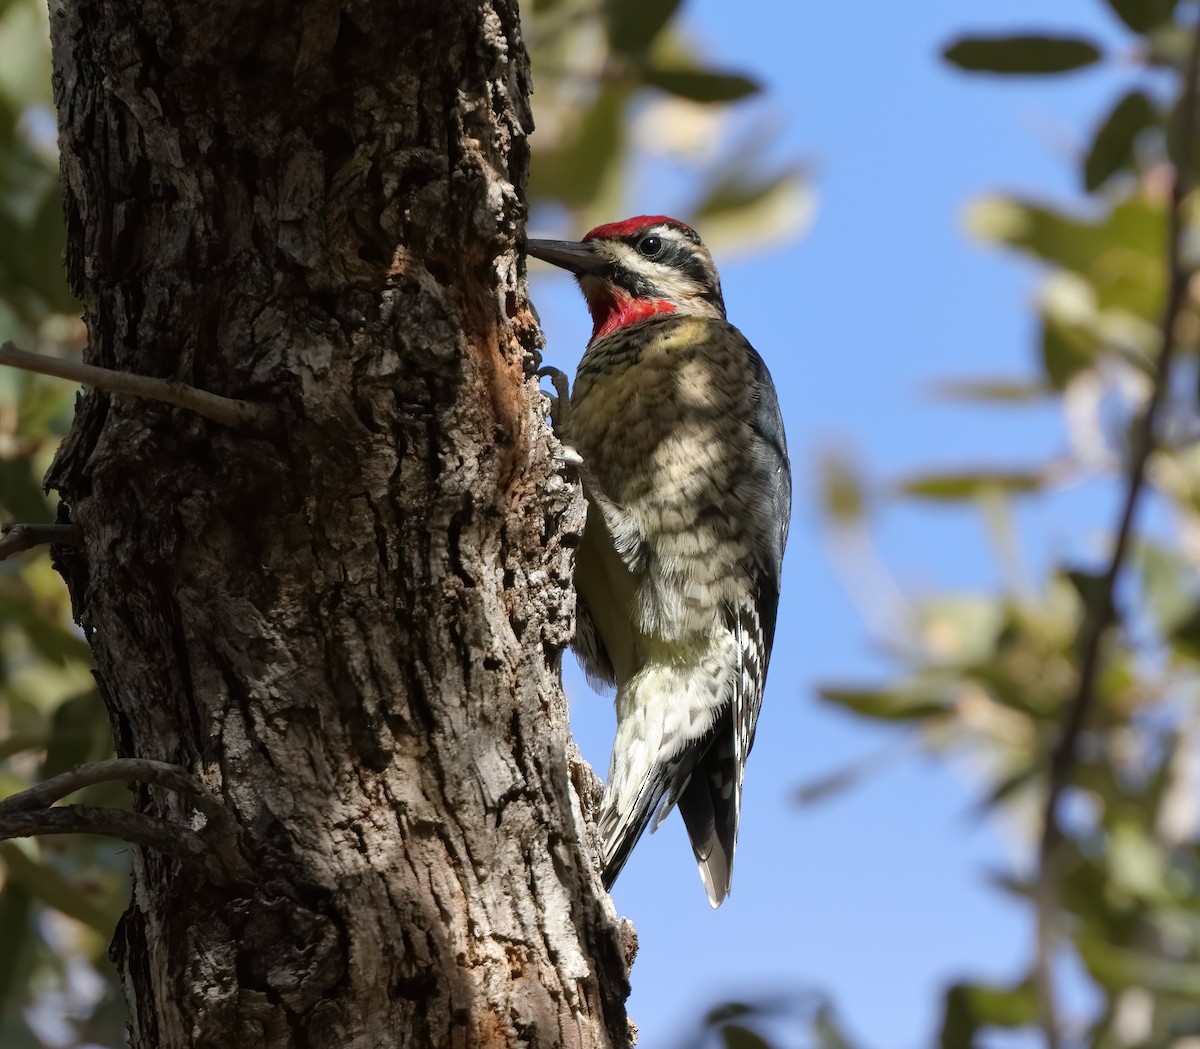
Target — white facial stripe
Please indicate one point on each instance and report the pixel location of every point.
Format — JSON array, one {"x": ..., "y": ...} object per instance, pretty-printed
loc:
[{"x": 674, "y": 285}]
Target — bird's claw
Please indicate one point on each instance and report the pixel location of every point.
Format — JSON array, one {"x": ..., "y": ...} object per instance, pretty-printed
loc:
[{"x": 560, "y": 404}]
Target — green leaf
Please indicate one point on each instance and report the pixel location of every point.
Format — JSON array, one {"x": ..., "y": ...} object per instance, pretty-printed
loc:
[
  {"x": 740, "y": 190},
  {"x": 55, "y": 643},
  {"x": 1112, "y": 149},
  {"x": 848, "y": 776},
  {"x": 44, "y": 883},
  {"x": 746, "y": 204},
  {"x": 79, "y": 731},
  {"x": 701, "y": 85},
  {"x": 1014, "y": 781},
  {"x": 885, "y": 704},
  {"x": 993, "y": 391},
  {"x": 737, "y": 1037},
  {"x": 1143, "y": 15},
  {"x": 14, "y": 930},
  {"x": 1021, "y": 54},
  {"x": 971, "y": 484},
  {"x": 633, "y": 25},
  {"x": 1089, "y": 585},
  {"x": 1165, "y": 577},
  {"x": 1136, "y": 863},
  {"x": 21, "y": 496},
  {"x": 1118, "y": 967},
  {"x": 971, "y": 1007},
  {"x": 1067, "y": 350},
  {"x": 827, "y": 1031},
  {"x": 46, "y": 244},
  {"x": 575, "y": 173},
  {"x": 1186, "y": 636},
  {"x": 19, "y": 743},
  {"x": 727, "y": 1011},
  {"x": 843, "y": 492},
  {"x": 1119, "y": 255},
  {"x": 41, "y": 404}
]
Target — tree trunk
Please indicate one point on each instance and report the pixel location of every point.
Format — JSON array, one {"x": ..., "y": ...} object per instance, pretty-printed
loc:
[{"x": 350, "y": 628}]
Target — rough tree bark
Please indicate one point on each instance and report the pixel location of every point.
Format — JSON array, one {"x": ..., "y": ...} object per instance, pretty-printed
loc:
[{"x": 350, "y": 627}]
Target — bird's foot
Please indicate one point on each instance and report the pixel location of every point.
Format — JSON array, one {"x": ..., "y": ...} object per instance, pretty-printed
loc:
[{"x": 560, "y": 404}]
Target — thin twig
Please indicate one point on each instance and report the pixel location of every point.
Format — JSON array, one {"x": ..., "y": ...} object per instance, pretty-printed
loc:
[
  {"x": 238, "y": 415},
  {"x": 1099, "y": 615},
  {"x": 14, "y": 538},
  {"x": 219, "y": 839}
]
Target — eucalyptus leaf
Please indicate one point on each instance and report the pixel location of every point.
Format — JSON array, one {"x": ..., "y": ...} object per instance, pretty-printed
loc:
[
  {"x": 1143, "y": 15},
  {"x": 42, "y": 882},
  {"x": 21, "y": 495},
  {"x": 15, "y": 907},
  {"x": 701, "y": 85},
  {"x": 79, "y": 732},
  {"x": 574, "y": 172},
  {"x": 1117, "y": 967},
  {"x": 1186, "y": 635},
  {"x": 1119, "y": 253},
  {"x": 1090, "y": 586},
  {"x": 633, "y": 25},
  {"x": 971, "y": 1007},
  {"x": 827, "y": 1032},
  {"x": 971, "y": 484},
  {"x": 1021, "y": 54},
  {"x": 1066, "y": 350},
  {"x": 734, "y": 1036},
  {"x": 885, "y": 704},
  {"x": 727, "y": 1011},
  {"x": 1112, "y": 148},
  {"x": 992, "y": 391}
]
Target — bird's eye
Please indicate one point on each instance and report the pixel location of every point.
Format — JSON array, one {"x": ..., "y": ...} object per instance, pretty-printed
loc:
[{"x": 650, "y": 246}]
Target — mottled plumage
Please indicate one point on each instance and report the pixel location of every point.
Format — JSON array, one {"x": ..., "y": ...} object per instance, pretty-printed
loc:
[{"x": 689, "y": 494}]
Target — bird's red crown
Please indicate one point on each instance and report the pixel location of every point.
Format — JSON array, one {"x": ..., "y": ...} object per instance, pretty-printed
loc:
[{"x": 628, "y": 227}]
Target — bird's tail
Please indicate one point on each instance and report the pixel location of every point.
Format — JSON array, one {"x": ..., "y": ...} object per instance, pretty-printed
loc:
[
  {"x": 664, "y": 713},
  {"x": 705, "y": 795},
  {"x": 622, "y": 828},
  {"x": 709, "y": 807}
]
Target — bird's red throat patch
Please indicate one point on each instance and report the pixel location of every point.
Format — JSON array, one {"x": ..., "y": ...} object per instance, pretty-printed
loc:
[{"x": 614, "y": 308}]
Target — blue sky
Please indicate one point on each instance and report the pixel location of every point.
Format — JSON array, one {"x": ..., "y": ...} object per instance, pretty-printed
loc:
[{"x": 878, "y": 897}]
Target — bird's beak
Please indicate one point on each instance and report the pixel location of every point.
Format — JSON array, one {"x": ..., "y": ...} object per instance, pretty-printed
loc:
[{"x": 575, "y": 256}]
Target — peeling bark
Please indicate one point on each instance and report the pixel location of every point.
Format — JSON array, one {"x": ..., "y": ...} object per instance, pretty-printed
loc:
[{"x": 350, "y": 629}]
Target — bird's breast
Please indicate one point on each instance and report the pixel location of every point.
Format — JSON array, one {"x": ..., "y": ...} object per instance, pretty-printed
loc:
[{"x": 660, "y": 417}]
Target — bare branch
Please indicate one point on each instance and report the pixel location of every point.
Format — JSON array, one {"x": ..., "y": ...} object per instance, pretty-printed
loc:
[
  {"x": 1099, "y": 616},
  {"x": 219, "y": 839},
  {"x": 130, "y": 770},
  {"x": 15, "y": 538},
  {"x": 135, "y": 827},
  {"x": 238, "y": 415}
]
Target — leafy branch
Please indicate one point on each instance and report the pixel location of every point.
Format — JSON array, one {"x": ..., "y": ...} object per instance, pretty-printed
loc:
[{"x": 1100, "y": 611}]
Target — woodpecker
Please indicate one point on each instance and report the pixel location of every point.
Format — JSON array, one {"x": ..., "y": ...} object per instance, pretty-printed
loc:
[{"x": 688, "y": 484}]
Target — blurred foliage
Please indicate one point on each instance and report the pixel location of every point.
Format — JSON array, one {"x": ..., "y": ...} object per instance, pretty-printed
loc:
[
  {"x": 623, "y": 91},
  {"x": 985, "y": 678},
  {"x": 799, "y": 1021},
  {"x": 59, "y": 897},
  {"x": 620, "y": 86}
]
